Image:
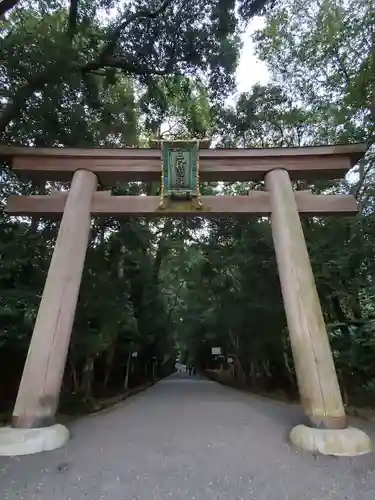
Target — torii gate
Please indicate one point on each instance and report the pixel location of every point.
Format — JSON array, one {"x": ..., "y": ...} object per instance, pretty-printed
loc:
[{"x": 326, "y": 428}]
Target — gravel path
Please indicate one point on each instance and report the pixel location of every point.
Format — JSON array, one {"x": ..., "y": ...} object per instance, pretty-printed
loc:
[{"x": 187, "y": 439}]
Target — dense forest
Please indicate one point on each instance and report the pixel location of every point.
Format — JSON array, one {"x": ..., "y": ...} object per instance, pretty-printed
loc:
[{"x": 105, "y": 73}]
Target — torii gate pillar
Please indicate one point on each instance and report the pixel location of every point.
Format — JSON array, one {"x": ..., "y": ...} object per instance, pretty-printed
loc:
[
  {"x": 40, "y": 385},
  {"x": 326, "y": 430},
  {"x": 39, "y": 390}
]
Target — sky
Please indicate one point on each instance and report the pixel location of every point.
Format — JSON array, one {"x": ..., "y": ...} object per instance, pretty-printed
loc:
[{"x": 250, "y": 69}]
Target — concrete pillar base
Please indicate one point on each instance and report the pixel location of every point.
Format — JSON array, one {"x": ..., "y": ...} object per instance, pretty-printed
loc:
[
  {"x": 14, "y": 442},
  {"x": 349, "y": 442}
]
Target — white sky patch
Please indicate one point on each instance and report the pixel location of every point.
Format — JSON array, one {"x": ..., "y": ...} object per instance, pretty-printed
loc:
[{"x": 250, "y": 69}]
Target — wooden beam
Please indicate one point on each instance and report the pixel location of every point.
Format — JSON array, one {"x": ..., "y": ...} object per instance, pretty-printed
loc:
[
  {"x": 356, "y": 150},
  {"x": 256, "y": 203},
  {"x": 64, "y": 194},
  {"x": 313, "y": 361},
  {"x": 39, "y": 390},
  {"x": 136, "y": 164}
]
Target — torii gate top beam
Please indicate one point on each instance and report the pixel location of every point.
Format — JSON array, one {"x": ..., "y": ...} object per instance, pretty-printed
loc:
[{"x": 143, "y": 164}]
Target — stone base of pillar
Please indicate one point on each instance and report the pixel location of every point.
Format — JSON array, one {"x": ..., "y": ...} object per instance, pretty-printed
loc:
[
  {"x": 349, "y": 442},
  {"x": 14, "y": 442}
]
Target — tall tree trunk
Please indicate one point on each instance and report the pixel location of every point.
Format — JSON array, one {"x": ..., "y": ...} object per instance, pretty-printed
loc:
[
  {"x": 126, "y": 381},
  {"x": 341, "y": 316},
  {"x": 355, "y": 305},
  {"x": 41, "y": 190},
  {"x": 343, "y": 386},
  {"x": 289, "y": 370},
  {"x": 162, "y": 248},
  {"x": 87, "y": 375},
  {"x": 74, "y": 377},
  {"x": 109, "y": 364},
  {"x": 252, "y": 373},
  {"x": 237, "y": 361}
]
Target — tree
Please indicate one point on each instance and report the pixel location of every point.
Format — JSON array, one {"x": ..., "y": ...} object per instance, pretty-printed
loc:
[{"x": 49, "y": 48}]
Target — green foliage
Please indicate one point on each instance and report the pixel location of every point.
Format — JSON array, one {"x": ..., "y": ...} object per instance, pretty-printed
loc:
[{"x": 51, "y": 54}]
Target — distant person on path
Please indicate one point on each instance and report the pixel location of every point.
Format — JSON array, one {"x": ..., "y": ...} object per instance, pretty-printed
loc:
[{"x": 190, "y": 369}]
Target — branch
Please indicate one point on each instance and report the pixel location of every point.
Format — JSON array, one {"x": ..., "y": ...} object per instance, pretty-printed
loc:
[
  {"x": 128, "y": 63},
  {"x": 173, "y": 307},
  {"x": 72, "y": 18},
  {"x": 251, "y": 8},
  {"x": 144, "y": 13},
  {"x": 372, "y": 109},
  {"x": 15, "y": 106},
  {"x": 24, "y": 93},
  {"x": 342, "y": 67},
  {"x": 6, "y": 5},
  {"x": 280, "y": 129},
  {"x": 363, "y": 172}
]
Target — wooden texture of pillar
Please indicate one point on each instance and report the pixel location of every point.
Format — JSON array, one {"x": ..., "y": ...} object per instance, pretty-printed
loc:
[
  {"x": 39, "y": 390},
  {"x": 315, "y": 370}
]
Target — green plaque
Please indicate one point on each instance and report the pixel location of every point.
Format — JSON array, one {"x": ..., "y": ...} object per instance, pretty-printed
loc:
[
  {"x": 180, "y": 172},
  {"x": 180, "y": 169}
]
